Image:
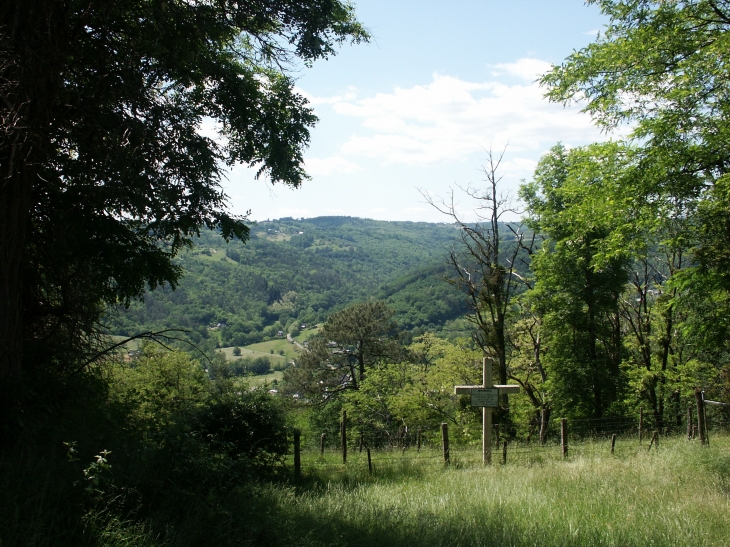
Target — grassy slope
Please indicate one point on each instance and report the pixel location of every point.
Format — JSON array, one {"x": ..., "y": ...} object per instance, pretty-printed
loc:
[
  {"x": 677, "y": 496},
  {"x": 277, "y": 345},
  {"x": 253, "y": 353}
]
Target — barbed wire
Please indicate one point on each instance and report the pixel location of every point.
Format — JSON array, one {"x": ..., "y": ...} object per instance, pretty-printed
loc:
[{"x": 411, "y": 446}]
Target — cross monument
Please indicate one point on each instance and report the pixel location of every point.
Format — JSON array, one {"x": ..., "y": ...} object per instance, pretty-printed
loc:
[{"x": 487, "y": 397}]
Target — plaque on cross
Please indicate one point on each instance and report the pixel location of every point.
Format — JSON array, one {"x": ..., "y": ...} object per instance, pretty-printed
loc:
[{"x": 483, "y": 396}]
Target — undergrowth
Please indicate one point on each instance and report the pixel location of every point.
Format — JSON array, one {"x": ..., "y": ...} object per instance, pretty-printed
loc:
[{"x": 158, "y": 456}]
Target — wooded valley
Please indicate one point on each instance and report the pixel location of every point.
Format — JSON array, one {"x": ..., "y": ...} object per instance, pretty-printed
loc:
[{"x": 167, "y": 365}]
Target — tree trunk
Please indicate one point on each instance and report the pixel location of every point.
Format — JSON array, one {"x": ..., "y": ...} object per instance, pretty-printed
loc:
[
  {"x": 14, "y": 205},
  {"x": 32, "y": 39},
  {"x": 544, "y": 423}
]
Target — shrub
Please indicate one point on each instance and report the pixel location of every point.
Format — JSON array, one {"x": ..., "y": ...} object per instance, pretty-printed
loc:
[
  {"x": 259, "y": 365},
  {"x": 250, "y": 427}
]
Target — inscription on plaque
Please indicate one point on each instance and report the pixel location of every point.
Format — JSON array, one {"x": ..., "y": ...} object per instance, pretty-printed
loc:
[{"x": 485, "y": 397}]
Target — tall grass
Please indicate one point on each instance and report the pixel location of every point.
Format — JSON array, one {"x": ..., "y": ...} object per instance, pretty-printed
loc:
[{"x": 676, "y": 496}]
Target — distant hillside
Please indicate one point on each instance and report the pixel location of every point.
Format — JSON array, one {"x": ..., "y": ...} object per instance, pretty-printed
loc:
[{"x": 295, "y": 272}]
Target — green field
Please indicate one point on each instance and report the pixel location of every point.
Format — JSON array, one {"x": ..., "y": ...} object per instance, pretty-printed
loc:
[
  {"x": 676, "y": 496},
  {"x": 273, "y": 237},
  {"x": 306, "y": 334},
  {"x": 277, "y": 345},
  {"x": 253, "y": 353},
  {"x": 134, "y": 344}
]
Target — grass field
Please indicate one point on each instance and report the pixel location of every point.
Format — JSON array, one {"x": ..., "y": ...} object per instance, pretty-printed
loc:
[
  {"x": 307, "y": 334},
  {"x": 277, "y": 345},
  {"x": 676, "y": 496},
  {"x": 258, "y": 350},
  {"x": 273, "y": 237}
]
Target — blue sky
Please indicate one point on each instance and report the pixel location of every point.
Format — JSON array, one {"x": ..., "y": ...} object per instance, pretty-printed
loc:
[{"x": 414, "y": 110}]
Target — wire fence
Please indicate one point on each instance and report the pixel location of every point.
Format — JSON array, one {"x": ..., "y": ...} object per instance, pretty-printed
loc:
[{"x": 519, "y": 443}]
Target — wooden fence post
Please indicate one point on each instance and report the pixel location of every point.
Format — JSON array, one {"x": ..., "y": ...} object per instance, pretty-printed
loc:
[
  {"x": 496, "y": 435},
  {"x": 564, "y": 436},
  {"x": 445, "y": 442},
  {"x": 689, "y": 422},
  {"x": 704, "y": 420},
  {"x": 504, "y": 453},
  {"x": 641, "y": 424},
  {"x": 613, "y": 442},
  {"x": 297, "y": 455},
  {"x": 700, "y": 415},
  {"x": 321, "y": 444},
  {"x": 370, "y": 462},
  {"x": 418, "y": 440},
  {"x": 343, "y": 434}
]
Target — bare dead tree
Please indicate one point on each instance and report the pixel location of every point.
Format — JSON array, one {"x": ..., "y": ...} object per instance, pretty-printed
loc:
[{"x": 485, "y": 270}]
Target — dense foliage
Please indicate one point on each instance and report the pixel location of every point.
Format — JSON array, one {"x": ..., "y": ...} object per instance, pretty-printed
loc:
[
  {"x": 295, "y": 272},
  {"x": 630, "y": 299},
  {"x": 619, "y": 302},
  {"x": 142, "y": 447},
  {"x": 106, "y": 171},
  {"x": 351, "y": 343}
]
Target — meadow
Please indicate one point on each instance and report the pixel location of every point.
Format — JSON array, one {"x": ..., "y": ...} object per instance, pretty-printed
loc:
[
  {"x": 674, "y": 496},
  {"x": 263, "y": 349}
]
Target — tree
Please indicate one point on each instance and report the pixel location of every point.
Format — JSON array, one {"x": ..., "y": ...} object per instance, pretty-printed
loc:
[
  {"x": 578, "y": 283},
  {"x": 350, "y": 342},
  {"x": 106, "y": 173},
  {"x": 418, "y": 393},
  {"x": 526, "y": 363},
  {"x": 485, "y": 270},
  {"x": 661, "y": 66}
]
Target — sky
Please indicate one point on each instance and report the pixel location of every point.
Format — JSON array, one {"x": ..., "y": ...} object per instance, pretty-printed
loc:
[{"x": 415, "y": 111}]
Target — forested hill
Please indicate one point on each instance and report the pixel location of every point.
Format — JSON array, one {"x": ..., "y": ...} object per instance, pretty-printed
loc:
[{"x": 299, "y": 271}]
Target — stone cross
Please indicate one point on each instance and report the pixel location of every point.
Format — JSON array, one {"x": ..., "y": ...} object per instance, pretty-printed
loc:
[{"x": 486, "y": 410}]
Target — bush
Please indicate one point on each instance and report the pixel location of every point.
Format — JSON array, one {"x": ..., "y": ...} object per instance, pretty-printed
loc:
[
  {"x": 249, "y": 427},
  {"x": 142, "y": 455},
  {"x": 259, "y": 365},
  {"x": 248, "y": 365}
]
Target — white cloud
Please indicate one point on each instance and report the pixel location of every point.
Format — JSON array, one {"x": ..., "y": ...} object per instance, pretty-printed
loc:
[
  {"x": 347, "y": 96},
  {"x": 330, "y": 166},
  {"x": 527, "y": 69},
  {"x": 518, "y": 167},
  {"x": 450, "y": 120},
  {"x": 212, "y": 129}
]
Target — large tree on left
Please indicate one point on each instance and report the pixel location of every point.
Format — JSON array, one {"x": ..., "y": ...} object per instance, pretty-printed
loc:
[{"x": 105, "y": 172}]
